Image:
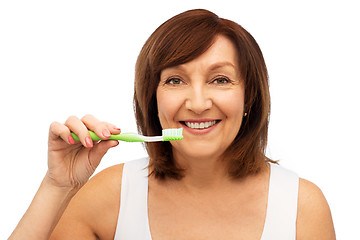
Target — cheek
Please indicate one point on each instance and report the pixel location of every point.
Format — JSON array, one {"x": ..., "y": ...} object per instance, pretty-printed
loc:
[
  {"x": 168, "y": 107},
  {"x": 232, "y": 104}
]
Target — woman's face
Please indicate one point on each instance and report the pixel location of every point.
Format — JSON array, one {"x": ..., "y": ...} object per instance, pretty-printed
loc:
[{"x": 205, "y": 97}]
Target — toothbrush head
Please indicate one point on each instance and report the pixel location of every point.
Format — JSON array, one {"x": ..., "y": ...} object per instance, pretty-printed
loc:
[{"x": 172, "y": 134}]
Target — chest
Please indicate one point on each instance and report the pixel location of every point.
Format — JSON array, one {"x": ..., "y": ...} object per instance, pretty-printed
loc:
[{"x": 235, "y": 215}]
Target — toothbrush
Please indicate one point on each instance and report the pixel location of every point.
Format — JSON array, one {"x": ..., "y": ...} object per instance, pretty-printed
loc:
[{"x": 171, "y": 134}]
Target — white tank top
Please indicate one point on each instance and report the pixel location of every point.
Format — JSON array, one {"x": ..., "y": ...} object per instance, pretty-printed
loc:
[{"x": 133, "y": 221}]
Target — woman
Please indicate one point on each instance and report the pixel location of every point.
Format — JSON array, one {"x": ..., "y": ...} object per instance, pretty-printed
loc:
[{"x": 206, "y": 75}]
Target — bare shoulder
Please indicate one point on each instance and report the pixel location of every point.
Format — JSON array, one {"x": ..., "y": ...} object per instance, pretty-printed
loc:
[
  {"x": 93, "y": 212},
  {"x": 314, "y": 219}
]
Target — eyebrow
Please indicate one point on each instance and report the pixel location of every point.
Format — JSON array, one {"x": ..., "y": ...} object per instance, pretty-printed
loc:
[{"x": 212, "y": 67}]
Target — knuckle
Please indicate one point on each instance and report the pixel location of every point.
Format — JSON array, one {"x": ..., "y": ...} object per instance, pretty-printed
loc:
[
  {"x": 71, "y": 119},
  {"x": 53, "y": 125},
  {"x": 58, "y": 129},
  {"x": 104, "y": 124},
  {"x": 87, "y": 117}
]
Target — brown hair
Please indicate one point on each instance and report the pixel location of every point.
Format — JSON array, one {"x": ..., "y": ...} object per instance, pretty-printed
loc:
[{"x": 179, "y": 40}]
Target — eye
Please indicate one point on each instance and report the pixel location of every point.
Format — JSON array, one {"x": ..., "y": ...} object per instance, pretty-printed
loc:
[
  {"x": 221, "y": 80},
  {"x": 174, "y": 81}
]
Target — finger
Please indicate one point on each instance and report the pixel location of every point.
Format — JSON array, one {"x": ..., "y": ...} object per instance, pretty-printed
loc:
[
  {"x": 102, "y": 129},
  {"x": 60, "y": 131},
  {"x": 97, "y": 126},
  {"x": 112, "y": 128},
  {"x": 99, "y": 150},
  {"x": 76, "y": 126}
]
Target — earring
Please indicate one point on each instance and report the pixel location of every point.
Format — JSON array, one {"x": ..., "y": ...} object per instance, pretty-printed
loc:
[{"x": 245, "y": 114}]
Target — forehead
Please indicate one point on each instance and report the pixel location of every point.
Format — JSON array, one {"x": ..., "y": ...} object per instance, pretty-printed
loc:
[
  {"x": 222, "y": 49},
  {"x": 221, "y": 54}
]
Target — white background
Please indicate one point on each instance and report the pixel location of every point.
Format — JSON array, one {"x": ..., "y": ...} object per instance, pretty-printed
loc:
[{"x": 62, "y": 58}]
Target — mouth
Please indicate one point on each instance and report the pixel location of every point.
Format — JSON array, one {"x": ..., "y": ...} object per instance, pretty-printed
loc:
[{"x": 199, "y": 125}]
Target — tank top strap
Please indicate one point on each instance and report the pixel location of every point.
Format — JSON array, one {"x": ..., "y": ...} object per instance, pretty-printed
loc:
[
  {"x": 133, "y": 221},
  {"x": 281, "y": 210}
]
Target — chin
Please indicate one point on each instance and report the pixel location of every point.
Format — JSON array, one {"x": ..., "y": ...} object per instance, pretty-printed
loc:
[{"x": 197, "y": 151}]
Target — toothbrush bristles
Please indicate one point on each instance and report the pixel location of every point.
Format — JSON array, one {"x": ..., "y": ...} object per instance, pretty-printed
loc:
[{"x": 172, "y": 134}]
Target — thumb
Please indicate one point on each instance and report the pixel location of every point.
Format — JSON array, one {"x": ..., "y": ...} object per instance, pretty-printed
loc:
[{"x": 99, "y": 150}]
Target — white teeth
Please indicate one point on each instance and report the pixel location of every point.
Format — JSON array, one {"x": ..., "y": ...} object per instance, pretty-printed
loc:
[{"x": 200, "y": 125}]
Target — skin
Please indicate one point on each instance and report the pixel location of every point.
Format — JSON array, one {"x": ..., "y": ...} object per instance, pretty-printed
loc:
[
  {"x": 207, "y": 88},
  {"x": 206, "y": 202}
]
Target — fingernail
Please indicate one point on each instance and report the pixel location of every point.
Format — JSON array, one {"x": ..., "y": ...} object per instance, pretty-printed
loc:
[
  {"x": 71, "y": 140},
  {"x": 88, "y": 142},
  {"x": 106, "y": 133}
]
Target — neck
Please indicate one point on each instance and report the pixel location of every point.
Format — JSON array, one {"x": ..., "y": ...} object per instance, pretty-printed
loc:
[{"x": 203, "y": 173}]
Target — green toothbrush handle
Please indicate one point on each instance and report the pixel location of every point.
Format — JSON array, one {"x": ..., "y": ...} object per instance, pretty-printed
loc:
[{"x": 122, "y": 137}]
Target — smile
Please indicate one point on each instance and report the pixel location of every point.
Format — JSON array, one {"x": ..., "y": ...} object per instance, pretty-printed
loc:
[{"x": 200, "y": 125}]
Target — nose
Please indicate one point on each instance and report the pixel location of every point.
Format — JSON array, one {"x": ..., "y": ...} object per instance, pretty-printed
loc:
[{"x": 198, "y": 100}]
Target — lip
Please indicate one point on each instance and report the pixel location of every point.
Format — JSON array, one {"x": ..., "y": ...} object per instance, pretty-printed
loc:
[
  {"x": 199, "y": 131},
  {"x": 200, "y": 120}
]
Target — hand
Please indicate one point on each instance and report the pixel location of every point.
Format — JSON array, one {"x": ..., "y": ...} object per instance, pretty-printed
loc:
[{"x": 70, "y": 163}]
